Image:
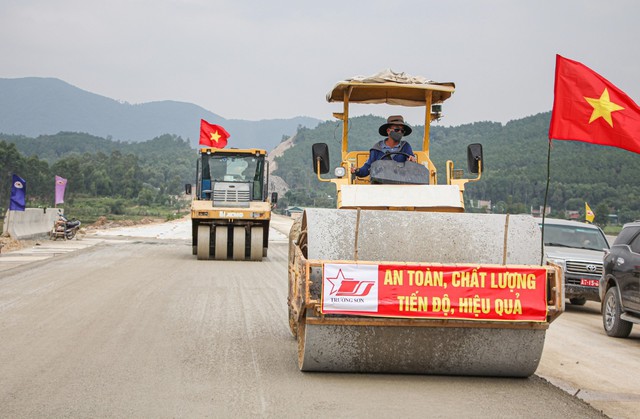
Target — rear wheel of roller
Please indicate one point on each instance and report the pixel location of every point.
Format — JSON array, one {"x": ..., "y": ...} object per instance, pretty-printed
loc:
[
  {"x": 239, "y": 234},
  {"x": 221, "y": 242},
  {"x": 204, "y": 241},
  {"x": 256, "y": 243}
]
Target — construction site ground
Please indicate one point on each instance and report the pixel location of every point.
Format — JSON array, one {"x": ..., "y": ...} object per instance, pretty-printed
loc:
[{"x": 126, "y": 322}]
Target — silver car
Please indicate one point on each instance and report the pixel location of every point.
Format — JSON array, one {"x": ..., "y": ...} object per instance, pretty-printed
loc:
[{"x": 579, "y": 249}]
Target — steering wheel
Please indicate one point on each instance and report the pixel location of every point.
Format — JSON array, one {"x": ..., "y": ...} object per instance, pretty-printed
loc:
[{"x": 388, "y": 155}]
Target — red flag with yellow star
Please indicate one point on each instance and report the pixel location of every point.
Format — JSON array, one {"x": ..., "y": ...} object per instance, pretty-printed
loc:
[
  {"x": 587, "y": 107},
  {"x": 213, "y": 135}
]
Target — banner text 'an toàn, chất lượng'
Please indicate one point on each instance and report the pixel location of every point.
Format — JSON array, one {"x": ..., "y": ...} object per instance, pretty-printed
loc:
[{"x": 494, "y": 293}]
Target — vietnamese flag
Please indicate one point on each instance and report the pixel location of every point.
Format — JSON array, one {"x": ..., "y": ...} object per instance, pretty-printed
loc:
[
  {"x": 587, "y": 107},
  {"x": 213, "y": 135}
]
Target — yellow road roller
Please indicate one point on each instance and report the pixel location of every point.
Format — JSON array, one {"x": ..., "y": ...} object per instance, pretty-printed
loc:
[
  {"x": 399, "y": 278},
  {"x": 231, "y": 208}
]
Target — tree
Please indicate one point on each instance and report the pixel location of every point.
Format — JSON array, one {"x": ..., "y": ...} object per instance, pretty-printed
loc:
[{"x": 601, "y": 215}]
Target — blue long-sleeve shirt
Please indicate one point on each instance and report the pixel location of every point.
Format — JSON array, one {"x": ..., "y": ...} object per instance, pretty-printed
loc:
[{"x": 378, "y": 151}]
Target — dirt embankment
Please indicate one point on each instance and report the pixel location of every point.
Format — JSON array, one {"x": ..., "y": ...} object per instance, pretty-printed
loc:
[
  {"x": 9, "y": 244},
  {"x": 276, "y": 183}
]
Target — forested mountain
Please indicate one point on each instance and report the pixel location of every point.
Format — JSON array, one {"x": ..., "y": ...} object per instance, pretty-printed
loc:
[
  {"x": 150, "y": 172},
  {"x": 514, "y": 177},
  {"x": 35, "y": 106},
  {"x": 515, "y": 173}
]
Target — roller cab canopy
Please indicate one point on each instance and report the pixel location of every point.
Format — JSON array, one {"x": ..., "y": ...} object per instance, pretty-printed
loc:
[
  {"x": 232, "y": 151},
  {"x": 391, "y": 88}
]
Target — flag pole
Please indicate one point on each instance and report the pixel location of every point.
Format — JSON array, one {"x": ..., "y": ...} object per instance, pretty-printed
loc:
[{"x": 544, "y": 206}]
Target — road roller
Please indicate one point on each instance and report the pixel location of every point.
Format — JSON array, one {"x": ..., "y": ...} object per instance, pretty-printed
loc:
[
  {"x": 231, "y": 207},
  {"x": 399, "y": 278}
]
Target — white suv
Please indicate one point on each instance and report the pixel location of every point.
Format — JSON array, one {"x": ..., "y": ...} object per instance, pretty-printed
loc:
[{"x": 579, "y": 249}]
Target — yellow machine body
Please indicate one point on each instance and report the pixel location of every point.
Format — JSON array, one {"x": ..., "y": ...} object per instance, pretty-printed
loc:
[
  {"x": 231, "y": 209},
  {"x": 416, "y": 227}
]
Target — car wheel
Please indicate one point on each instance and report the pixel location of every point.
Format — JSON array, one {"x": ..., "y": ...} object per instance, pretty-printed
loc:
[
  {"x": 578, "y": 301},
  {"x": 613, "y": 324}
]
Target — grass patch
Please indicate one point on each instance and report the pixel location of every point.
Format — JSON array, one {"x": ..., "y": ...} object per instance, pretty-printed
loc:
[
  {"x": 89, "y": 210},
  {"x": 612, "y": 230}
]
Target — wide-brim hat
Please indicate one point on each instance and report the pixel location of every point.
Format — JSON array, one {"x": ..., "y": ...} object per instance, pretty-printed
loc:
[{"x": 394, "y": 120}]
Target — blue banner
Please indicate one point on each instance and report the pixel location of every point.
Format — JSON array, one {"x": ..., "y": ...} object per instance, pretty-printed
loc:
[{"x": 18, "y": 188}]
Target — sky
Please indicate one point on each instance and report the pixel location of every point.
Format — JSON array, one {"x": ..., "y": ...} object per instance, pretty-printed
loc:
[{"x": 273, "y": 59}]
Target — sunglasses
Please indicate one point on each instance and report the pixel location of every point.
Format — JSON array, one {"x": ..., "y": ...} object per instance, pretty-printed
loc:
[{"x": 398, "y": 130}]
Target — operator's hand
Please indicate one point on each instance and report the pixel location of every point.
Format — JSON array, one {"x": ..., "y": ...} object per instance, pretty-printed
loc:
[
  {"x": 413, "y": 159},
  {"x": 353, "y": 169}
]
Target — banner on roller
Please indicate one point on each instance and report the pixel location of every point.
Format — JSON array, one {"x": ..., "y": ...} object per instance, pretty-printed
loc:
[{"x": 436, "y": 291}]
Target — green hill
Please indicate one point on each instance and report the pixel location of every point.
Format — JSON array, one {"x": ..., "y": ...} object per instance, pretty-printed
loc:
[
  {"x": 514, "y": 179},
  {"x": 150, "y": 172},
  {"x": 515, "y": 173}
]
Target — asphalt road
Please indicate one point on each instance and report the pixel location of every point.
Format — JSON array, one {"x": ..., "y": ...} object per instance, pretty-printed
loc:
[{"x": 137, "y": 327}]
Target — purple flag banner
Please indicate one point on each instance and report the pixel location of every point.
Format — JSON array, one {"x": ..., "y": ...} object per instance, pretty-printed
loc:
[
  {"x": 18, "y": 191},
  {"x": 61, "y": 184}
]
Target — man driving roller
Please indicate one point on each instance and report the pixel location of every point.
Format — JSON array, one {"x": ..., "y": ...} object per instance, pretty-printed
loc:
[{"x": 394, "y": 129}]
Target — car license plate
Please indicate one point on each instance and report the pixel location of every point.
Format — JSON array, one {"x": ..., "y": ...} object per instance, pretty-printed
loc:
[{"x": 589, "y": 282}]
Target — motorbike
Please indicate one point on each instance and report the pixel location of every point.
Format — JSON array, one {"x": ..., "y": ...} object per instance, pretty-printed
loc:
[{"x": 65, "y": 229}]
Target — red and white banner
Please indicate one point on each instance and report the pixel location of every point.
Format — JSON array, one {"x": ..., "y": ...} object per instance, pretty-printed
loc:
[{"x": 436, "y": 291}]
